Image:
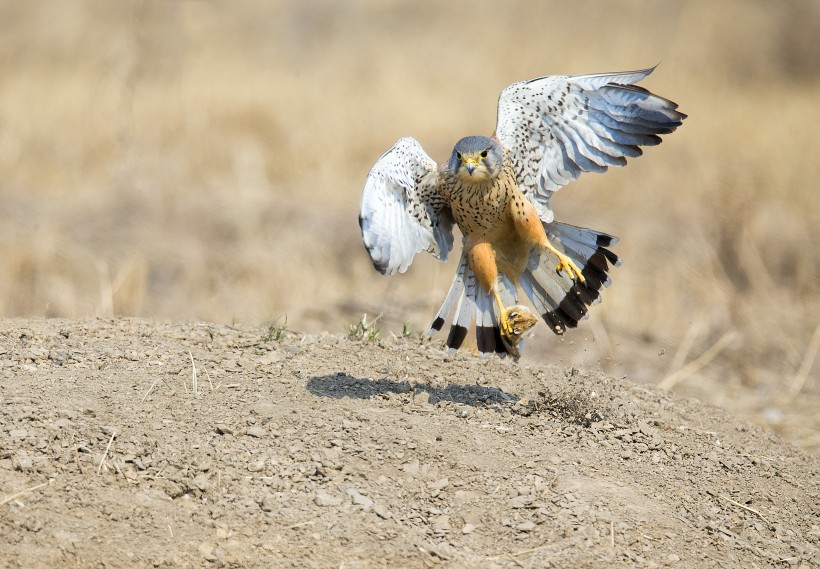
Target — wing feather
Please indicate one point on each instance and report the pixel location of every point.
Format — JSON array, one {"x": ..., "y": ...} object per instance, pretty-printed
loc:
[
  {"x": 554, "y": 128},
  {"x": 402, "y": 210}
]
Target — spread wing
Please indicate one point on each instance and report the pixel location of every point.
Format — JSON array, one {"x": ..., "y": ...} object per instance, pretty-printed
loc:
[
  {"x": 402, "y": 209},
  {"x": 557, "y": 127}
]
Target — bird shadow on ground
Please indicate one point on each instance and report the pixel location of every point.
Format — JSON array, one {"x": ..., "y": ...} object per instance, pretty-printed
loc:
[{"x": 340, "y": 385}]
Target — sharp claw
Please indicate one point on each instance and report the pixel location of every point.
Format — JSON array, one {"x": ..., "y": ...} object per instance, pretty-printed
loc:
[{"x": 570, "y": 268}]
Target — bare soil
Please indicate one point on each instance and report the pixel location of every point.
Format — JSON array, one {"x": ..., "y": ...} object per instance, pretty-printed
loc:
[{"x": 127, "y": 443}]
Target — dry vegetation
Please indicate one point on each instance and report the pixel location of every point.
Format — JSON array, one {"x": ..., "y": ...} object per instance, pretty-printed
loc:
[{"x": 198, "y": 160}]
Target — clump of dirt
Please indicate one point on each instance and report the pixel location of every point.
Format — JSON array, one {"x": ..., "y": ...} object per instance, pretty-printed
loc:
[{"x": 131, "y": 443}]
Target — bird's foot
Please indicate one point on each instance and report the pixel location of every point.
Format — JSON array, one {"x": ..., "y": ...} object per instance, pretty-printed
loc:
[
  {"x": 515, "y": 321},
  {"x": 569, "y": 267}
]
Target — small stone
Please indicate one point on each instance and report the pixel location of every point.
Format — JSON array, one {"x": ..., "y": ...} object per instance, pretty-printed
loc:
[
  {"x": 521, "y": 501},
  {"x": 526, "y": 526},
  {"x": 267, "y": 504},
  {"x": 422, "y": 398},
  {"x": 647, "y": 430},
  {"x": 412, "y": 467},
  {"x": 323, "y": 499},
  {"x": 23, "y": 463},
  {"x": 467, "y": 529},
  {"x": 256, "y": 432},
  {"x": 257, "y": 466},
  {"x": 381, "y": 511},
  {"x": 442, "y": 523},
  {"x": 206, "y": 549},
  {"x": 18, "y": 433},
  {"x": 358, "y": 499},
  {"x": 672, "y": 558},
  {"x": 464, "y": 496},
  {"x": 202, "y": 482},
  {"x": 223, "y": 429}
]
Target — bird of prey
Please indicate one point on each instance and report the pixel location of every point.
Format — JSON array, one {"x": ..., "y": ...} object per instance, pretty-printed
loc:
[{"x": 497, "y": 190}]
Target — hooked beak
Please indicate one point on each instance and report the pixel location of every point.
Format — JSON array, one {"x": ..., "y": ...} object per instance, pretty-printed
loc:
[{"x": 470, "y": 165}]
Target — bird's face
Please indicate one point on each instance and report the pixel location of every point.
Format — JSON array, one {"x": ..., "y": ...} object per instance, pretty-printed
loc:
[{"x": 476, "y": 159}]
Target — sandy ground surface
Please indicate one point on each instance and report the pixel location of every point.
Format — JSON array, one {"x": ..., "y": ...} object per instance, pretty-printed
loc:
[{"x": 127, "y": 443}]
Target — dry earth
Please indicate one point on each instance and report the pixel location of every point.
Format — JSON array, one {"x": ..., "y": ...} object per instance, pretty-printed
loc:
[{"x": 127, "y": 443}]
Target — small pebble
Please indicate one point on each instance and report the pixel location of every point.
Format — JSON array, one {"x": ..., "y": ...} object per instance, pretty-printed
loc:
[
  {"x": 381, "y": 511},
  {"x": 358, "y": 499},
  {"x": 526, "y": 526},
  {"x": 257, "y": 432},
  {"x": 325, "y": 499}
]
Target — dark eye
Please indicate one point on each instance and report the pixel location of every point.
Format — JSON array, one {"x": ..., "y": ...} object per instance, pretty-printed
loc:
[
  {"x": 484, "y": 154},
  {"x": 459, "y": 155}
]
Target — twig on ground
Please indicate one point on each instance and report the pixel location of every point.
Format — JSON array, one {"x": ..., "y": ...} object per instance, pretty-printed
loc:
[
  {"x": 8, "y": 499},
  {"x": 748, "y": 509},
  {"x": 150, "y": 389},
  {"x": 300, "y": 524},
  {"x": 77, "y": 460},
  {"x": 193, "y": 373},
  {"x": 208, "y": 375},
  {"x": 528, "y": 551},
  {"x": 105, "y": 454}
]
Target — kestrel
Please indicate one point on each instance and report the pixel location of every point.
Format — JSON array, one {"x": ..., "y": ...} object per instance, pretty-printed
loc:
[{"x": 497, "y": 191}]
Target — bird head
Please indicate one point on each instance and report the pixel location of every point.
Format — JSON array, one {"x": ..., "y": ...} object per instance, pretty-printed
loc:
[{"x": 476, "y": 159}]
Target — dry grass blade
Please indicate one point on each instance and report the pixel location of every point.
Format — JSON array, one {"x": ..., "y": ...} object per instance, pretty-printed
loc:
[
  {"x": 150, "y": 389},
  {"x": 748, "y": 509},
  {"x": 694, "y": 366},
  {"x": 8, "y": 499},
  {"x": 194, "y": 386},
  {"x": 105, "y": 454},
  {"x": 300, "y": 524}
]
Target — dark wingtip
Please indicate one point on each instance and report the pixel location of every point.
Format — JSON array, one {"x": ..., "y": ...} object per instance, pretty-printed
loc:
[
  {"x": 603, "y": 240},
  {"x": 557, "y": 326},
  {"x": 437, "y": 324},
  {"x": 381, "y": 267},
  {"x": 456, "y": 337},
  {"x": 485, "y": 339}
]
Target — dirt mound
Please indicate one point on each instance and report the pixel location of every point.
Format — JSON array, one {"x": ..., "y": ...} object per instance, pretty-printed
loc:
[{"x": 130, "y": 443}]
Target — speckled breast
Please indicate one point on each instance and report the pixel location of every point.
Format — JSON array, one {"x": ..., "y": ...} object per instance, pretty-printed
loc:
[{"x": 479, "y": 209}]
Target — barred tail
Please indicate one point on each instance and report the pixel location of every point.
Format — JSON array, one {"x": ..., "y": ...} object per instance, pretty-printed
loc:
[
  {"x": 560, "y": 301},
  {"x": 467, "y": 301}
]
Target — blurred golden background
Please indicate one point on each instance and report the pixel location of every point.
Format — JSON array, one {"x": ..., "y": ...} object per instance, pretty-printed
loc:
[{"x": 196, "y": 160}]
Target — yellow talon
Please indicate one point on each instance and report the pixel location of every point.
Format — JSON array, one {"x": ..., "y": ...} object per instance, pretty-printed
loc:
[{"x": 567, "y": 265}]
